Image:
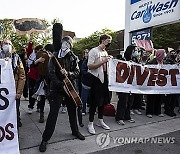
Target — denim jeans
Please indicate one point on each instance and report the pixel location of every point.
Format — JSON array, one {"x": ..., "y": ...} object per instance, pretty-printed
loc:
[{"x": 85, "y": 91}]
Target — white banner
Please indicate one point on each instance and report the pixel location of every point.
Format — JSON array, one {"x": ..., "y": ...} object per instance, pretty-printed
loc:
[
  {"x": 8, "y": 121},
  {"x": 148, "y": 13},
  {"x": 130, "y": 77}
]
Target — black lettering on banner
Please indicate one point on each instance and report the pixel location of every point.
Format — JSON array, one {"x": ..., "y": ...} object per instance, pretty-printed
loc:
[
  {"x": 6, "y": 101},
  {"x": 5, "y": 133},
  {"x": 2, "y": 133},
  {"x": 11, "y": 134}
]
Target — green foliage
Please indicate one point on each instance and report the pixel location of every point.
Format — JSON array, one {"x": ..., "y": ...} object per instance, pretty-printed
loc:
[
  {"x": 166, "y": 36},
  {"x": 93, "y": 41},
  {"x": 20, "y": 41}
]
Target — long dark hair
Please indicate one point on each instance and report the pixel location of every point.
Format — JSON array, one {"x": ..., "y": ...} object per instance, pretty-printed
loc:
[{"x": 128, "y": 52}]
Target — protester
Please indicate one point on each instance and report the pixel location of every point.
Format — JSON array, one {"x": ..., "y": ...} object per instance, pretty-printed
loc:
[
  {"x": 41, "y": 87},
  {"x": 97, "y": 65},
  {"x": 86, "y": 82},
  {"x": 7, "y": 52},
  {"x": 33, "y": 76},
  {"x": 68, "y": 61},
  {"x": 154, "y": 100},
  {"x": 170, "y": 99},
  {"x": 23, "y": 56},
  {"x": 125, "y": 99}
]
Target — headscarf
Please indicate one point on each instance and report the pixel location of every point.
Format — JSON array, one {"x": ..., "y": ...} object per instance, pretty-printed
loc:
[{"x": 160, "y": 55}]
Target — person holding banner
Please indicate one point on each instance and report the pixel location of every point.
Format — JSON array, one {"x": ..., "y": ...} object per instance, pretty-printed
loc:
[
  {"x": 125, "y": 100},
  {"x": 170, "y": 99},
  {"x": 154, "y": 100},
  {"x": 97, "y": 65},
  {"x": 8, "y": 52}
]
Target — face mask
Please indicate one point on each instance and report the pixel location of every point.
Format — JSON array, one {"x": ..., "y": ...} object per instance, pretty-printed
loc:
[
  {"x": 7, "y": 48},
  {"x": 107, "y": 45},
  {"x": 135, "y": 53}
]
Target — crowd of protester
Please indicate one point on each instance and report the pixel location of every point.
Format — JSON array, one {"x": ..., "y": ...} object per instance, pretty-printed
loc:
[{"x": 90, "y": 75}]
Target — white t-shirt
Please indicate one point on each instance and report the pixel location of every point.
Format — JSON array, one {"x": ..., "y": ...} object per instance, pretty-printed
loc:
[{"x": 95, "y": 55}]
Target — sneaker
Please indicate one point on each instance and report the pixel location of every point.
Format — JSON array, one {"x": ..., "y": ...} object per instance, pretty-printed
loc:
[
  {"x": 171, "y": 114},
  {"x": 161, "y": 115},
  {"x": 30, "y": 110},
  {"x": 83, "y": 114},
  {"x": 91, "y": 129},
  {"x": 42, "y": 147},
  {"x": 149, "y": 115},
  {"x": 26, "y": 99},
  {"x": 131, "y": 112},
  {"x": 103, "y": 125},
  {"x": 121, "y": 122},
  {"x": 137, "y": 112},
  {"x": 64, "y": 110},
  {"x": 131, "y": 120}
]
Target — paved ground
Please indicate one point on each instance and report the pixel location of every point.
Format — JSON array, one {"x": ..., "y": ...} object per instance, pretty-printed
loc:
[
  {"x": 63, "y": 142},
  {"x": 149, "y": 147}
]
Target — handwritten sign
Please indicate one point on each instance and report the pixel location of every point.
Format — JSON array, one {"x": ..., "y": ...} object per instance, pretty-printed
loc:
[{"x": 8, "y": 124}]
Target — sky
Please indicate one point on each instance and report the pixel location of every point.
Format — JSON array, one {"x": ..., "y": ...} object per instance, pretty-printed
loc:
[{"x": 81, "y": 16}]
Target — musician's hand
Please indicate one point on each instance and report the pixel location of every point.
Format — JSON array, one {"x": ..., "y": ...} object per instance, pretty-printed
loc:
[
  {"x": 18, "y": 96},
  {"x": 40, "y": 60},
  {"x": 64, "y": 72}
]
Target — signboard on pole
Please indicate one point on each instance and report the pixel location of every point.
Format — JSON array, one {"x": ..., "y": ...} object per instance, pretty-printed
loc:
[
  {"x": 142, "y": 14},
  {"x": 141, "y": 35},
  {"x": 148, "y": 13}
]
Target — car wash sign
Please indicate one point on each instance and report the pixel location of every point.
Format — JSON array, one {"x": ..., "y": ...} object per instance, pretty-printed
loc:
[{"x": 148, "y": 13}]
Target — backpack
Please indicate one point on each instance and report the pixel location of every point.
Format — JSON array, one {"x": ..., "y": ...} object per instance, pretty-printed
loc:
[{"x": 109, "y": 110}]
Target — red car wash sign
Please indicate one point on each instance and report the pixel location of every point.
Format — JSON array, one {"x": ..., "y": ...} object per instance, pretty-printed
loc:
[
  {"x": 148, "y": 13},
  {"x": 8, "y": 124},
  {"x": 130, "y": 77}
]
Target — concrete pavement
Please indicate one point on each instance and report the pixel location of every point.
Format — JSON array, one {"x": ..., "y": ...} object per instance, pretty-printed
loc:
[{"x": 63, "y": 142}]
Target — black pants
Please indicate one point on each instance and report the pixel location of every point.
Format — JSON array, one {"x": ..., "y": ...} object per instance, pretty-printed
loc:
[
  {"x": 92, "y": 111},
  {"x": 153, "y": 104},
  {"x": 32, "y": 84},
  {"x": 99, "y": 96},
  {"x": 18, "y": 112},
  {"x": 123, "y": 107},
  {"x": 137, "y": 101},
  {"x": 55, "y": 101},
  {"x": 25, "y": 90},
  {"x": 170, "y": 103}
]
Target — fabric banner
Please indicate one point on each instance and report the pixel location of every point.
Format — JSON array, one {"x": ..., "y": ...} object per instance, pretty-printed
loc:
[
  {"x": 8, "y": 122},
  {"x": 130, "y": 77}
]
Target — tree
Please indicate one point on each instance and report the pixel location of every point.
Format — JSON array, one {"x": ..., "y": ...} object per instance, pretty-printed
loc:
[
  {"x": 92, "y": 41},
  {"x": 166, "y": 36},
  {"x": 20, "y": 41}
]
